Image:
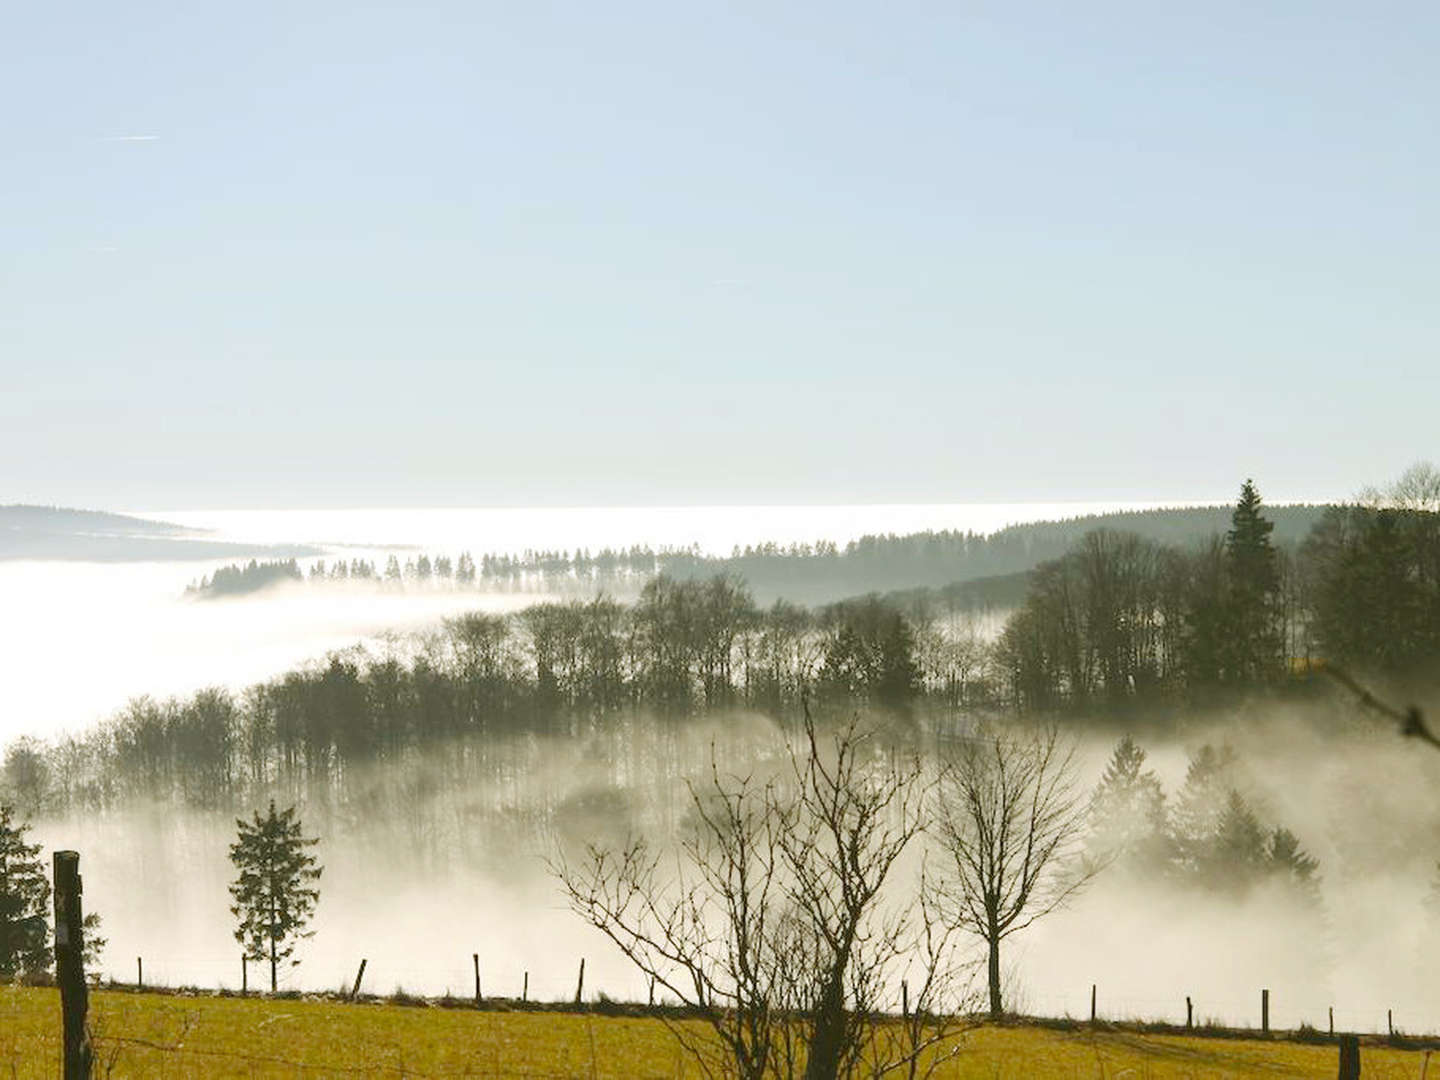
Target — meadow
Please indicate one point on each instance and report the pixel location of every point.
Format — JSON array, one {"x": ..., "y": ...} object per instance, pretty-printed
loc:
[{"x": 181, "y": 1036}]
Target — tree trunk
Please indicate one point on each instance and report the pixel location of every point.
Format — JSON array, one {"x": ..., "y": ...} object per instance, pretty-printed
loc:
[
  {"x": 822, "y": 1059},
  {"x": 995, "y": 1006}
]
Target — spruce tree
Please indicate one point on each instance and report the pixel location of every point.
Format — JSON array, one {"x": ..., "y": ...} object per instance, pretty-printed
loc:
[
  {"x": 1127, "y": 812},
  {"x": 274, "y": 894},
  {"x": 24, "y": 901},
  {"x": 1255, "y": 644}
]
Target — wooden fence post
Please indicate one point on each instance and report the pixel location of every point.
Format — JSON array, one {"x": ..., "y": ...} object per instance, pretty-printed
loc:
[
  {"x": 355, "y": 990},
  {"x": 1349, "y": 1057},
  {"x": 476, "y": 958},
  {"x": 652, "y": 991},
  {"x": 1332, "y": 1021},
  {"x": 1189, "y": 1013},
  {"x": 70, "y": 965},
  {"x": 1092, "y": 1003},
  {"x": 904, "y": 1000},
  {"x": 139, "y": 973},
  {"x": 1265, "y": 1012},
  {"x": 244, "y": 974},
  {"x": 580, "y": 985},
  {"x": 1390, "y": 1021},
  {"x": 525, "y": 989}
]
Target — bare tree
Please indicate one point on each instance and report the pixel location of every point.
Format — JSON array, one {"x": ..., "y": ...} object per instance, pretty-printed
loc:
[
  {"x": 853, "y": 815},
  {"x": 1009, "y": 816},
  {"x": 784, "y": 918},
  {"x": 702, "y": 927}
]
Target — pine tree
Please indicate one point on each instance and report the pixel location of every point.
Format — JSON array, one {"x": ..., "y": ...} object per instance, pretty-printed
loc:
[
  {"x": 1127, "y": 812},
  {"x": 1255, "y": 643},
  {"x": 1238, "y": 855},
  {"x": 1288, "y": 860},
  {"x": 1200, "y": 804},
  {"x": 274, "y": 894},
  {"x": 24, "y": 901}
]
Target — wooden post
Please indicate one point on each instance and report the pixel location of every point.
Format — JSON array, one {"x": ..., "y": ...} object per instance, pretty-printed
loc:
[
  {"x": 1092, "y": 1003},
  {"x": 904, "y": 1000},
  {"x": 244, "y": 974},
  {"x": 69, "y": 964},
  {"x": 476, "y": 958},
  {"x": 580, "y": 985},
  {"x": 1265, "y": 1012},
  {"x": 139, "y": 973},
  {"x": 1390, "y": 1022},
  {"x": 355, "y": 990},
  {"x": 652, "y": 991},
  {"x": 1332, "y": 1021},
  {"x": 1189, "y": 1013},
  {"x": 1349, "y": 1057},
  {"x": 525, "y": 988}
]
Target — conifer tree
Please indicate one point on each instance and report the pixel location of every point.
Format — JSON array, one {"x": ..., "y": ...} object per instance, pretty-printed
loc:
[
  {"x": 274, "y": 894},
  {"x": 1127, "y": 811},
  {"x": 1255, "y": 643},
  {"x": 24, "y": 901}
]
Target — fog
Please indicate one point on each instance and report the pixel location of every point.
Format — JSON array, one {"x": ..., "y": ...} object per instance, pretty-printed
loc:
[
  {"x": 433, "y": 871},
  {"x": 429, "y": 865},
  {"x": 80, "y": 639}
]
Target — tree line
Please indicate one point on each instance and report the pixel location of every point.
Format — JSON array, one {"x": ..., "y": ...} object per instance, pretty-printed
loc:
[
  {"x": 803, "y": 572},
  {"x": 1116, "y": 623},
  {"x": 1120, "y": 619}
]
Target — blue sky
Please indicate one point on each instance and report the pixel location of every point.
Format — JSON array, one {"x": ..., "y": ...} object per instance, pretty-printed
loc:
[{"x": 468, "y": 254}]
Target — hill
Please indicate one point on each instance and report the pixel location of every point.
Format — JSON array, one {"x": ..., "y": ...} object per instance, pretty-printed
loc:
[{"x": 61, "y": 533}]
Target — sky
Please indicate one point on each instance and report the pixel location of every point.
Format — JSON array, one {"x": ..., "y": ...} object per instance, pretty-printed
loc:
[{"x": 470, "y": 254}]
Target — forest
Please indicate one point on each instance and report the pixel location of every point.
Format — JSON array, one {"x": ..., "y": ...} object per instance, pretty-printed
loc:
[
  {"x": 806, "y": 573},
  {"x": 1119, "y": 625}
]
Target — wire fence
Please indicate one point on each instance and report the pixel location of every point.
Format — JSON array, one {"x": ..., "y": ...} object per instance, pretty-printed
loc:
[{"x": 1289, "y": 1009}]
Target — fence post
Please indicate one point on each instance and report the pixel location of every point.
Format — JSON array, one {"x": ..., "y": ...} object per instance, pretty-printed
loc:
[
  {"x": 1092, "y": 1003},
  {"x": 1332, "y": 1021},
  {"x": 139, "y": 973},
  {"x": 1189, "y": 1013},
  {"x": 70, "y": 965},
  {"x": 1390, "y": 1022},
  {"x": 476, "y": 958},
  {"x": 1349, "y": 1057},
  {"x": 355, "y": 990},
  {"x": 244, "y": 974},
  {"x": 580, "y": 985},
  {"x": 525, "y": 989},
  {"x": 652, "y": 991},
  {"x": 1265, "y": 1012},
  {"x": 904, "y": 1000}
]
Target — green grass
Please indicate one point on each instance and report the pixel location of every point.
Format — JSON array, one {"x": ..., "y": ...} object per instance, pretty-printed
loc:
[{"x": 179, "y": 1036}]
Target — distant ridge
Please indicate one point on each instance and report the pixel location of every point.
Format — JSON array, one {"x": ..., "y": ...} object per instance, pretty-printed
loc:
[{"x": 66, "y": 534}]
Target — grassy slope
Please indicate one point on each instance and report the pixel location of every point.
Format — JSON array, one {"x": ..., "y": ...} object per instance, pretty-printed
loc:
[{"x": 149, "y": 1035}]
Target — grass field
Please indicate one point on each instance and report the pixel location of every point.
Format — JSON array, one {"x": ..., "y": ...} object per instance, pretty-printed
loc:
[{"x": 173, "y": 1036}]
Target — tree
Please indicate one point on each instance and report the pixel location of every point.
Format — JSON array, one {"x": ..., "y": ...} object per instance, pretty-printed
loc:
[
  {"x": 274, "y": 894},
  {"x": 1127, "y": 812},
  {"x": 1253, "y": 578},
  {"x": 1009, "y": 819},
  {"x": 24, "y": 901},
  {"x": 776, "y": 924},
  {"x": 871, "y": 653},
  {"x": 1209, "y": 779}
]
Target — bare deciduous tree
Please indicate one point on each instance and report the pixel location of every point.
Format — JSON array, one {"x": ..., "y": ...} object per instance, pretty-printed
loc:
[
  {"x": 1010, "y": 817},
  {"x": 782, "y": 921},
  {"x": 702, "y": 927}
]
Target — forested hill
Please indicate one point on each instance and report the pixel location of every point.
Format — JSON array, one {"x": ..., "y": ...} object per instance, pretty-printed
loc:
[
  {"x": 819, "y": 573},
  {"x": 892, "y": 563},
  {"x": 52, "y": 532}
]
